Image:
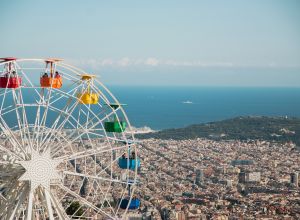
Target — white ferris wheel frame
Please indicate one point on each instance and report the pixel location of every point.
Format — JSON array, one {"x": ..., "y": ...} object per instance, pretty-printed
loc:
[{"x": 41, "y": 137}]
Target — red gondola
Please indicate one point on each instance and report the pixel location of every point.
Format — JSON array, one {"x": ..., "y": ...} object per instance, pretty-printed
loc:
[
  {"x": 10, "y": 79},
  {"x": 10, "y": 82}
]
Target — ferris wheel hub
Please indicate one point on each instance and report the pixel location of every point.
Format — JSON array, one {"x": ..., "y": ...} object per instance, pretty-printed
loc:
[{"x": 40, "y": 170}]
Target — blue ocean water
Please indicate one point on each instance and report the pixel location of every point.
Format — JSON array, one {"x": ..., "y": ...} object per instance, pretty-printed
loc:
[{"x": 164, "y": 107}]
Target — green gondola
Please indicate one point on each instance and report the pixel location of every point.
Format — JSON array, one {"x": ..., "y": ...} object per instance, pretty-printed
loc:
[{"x": 115, "y": 126}]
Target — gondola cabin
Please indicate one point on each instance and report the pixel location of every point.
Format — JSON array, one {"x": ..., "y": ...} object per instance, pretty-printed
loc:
[
  {"x": 134, "y": 203},
  {"x": 54, "y": 79},
  {"x": 115, "y": 126},
  {"x": 10, "y": 82},
  {"x": 131, "y": 164},
  {"x": 88, "y": 98},
  {"x": 10, "y": 79},
  {"x": 54, "y": 82}
]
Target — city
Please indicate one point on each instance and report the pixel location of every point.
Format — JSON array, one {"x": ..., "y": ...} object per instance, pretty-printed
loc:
[{"x": 205, "y": 179}]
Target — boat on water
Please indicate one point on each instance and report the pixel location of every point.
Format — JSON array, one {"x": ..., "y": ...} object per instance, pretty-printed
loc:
[{"x": 187, "y": 102}]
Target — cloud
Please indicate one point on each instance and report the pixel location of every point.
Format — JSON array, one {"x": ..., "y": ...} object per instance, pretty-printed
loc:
[
  {"x": 126, "y": 62},
  {"x": 152, "y": 61}
]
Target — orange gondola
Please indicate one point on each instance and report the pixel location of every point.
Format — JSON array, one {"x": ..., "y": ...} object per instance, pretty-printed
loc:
[{"x": 54, "y": 80}]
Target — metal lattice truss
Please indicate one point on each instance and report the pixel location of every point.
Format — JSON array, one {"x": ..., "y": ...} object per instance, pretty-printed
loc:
[{"x": 56, "y": 159}]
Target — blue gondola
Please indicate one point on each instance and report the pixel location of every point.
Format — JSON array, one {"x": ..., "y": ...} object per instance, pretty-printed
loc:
[
  {"x": 134, "y": 204},
  {"x": 131, "y": 164}
]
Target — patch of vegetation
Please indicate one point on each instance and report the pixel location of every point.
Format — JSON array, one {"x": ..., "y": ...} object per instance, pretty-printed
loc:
[
  {"x": 75, "y": 209},
  {"x": 279, "y": 129}
]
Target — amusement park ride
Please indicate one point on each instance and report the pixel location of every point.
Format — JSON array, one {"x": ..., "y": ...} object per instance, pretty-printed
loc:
[{"x": 64, "y": 139}]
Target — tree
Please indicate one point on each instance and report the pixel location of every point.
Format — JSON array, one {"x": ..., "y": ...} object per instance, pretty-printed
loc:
[{"x": 75, "y": 209}]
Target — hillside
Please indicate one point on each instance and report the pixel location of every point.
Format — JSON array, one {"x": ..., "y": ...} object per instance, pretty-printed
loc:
[{"x": 279, "y": 129}]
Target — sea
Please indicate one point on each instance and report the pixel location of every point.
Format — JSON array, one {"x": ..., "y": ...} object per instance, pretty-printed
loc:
[{"x": 162, "y": 107}]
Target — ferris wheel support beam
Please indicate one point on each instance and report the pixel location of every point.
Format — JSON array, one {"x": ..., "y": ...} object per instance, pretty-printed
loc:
[
  {"x": 19, "y": 202},
  {"x": 13, "y": 196},
  {"x": 29, "y": 206},
  {"x": 49, "y": 205}
]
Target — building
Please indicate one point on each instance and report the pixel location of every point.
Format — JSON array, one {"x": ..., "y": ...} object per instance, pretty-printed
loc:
[
  {"x": 242, "y": 162},
  {"x": 249, "y": 177},
  {"x": 199, "y": 176},
  {"x": 229, "y": 183},
  {"x": 295, "y": 179}
]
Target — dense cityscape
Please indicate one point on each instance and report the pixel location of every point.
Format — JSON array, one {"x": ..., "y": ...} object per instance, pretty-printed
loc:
[{"x": 206, "y": 179}]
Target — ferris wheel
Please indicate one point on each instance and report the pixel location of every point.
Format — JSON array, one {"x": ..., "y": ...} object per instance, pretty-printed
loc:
[{"x": 66, "y": 146}]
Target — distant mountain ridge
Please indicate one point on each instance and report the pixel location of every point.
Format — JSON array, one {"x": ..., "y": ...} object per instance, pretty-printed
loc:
[{"x": 280, "y": 129}]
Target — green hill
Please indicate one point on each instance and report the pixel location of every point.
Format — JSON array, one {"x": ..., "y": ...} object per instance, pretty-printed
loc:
[{"x": 279, "y": 129}]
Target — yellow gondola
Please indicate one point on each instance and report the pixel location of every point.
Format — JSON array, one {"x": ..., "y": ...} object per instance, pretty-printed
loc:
[{"x": 88, "y": 97}]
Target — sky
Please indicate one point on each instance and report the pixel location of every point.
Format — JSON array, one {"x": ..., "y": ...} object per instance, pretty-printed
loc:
[{"x": 171, "y": 42}]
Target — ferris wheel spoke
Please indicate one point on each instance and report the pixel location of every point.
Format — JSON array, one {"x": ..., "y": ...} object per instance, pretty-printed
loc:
[
  {"x": 44, "y": 118},
  {"x": 106, "y": 168},
  {"x": 55, "y": 123},
  {"x": 94, "y": 177},
  {"x": 59, "y": 209},
  {"x": 4, "y": 99},
  {"x": 104, "y": 195},
  {"x": 61, "y": 147},
  {"x": 11, "y": 153},
  {"x": 47, "y": 133},
  {"x": 64, "y": 94},
  {"x": 11, "y": 137},
  {"x": 18, "y": 118},
  {"x": 57, "y": 129},
  {"x": 65, "y": 112},
  {"x": 84, "y": 201},
  {"x": 28, "y": 80},
  {"x": 73, "y": 138},
  {"x": 37, "y": 128},
  {"x": 81, "y": 154},
  {"x": 87, "y": 153},
  {"x": 25, "y": 122}
]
